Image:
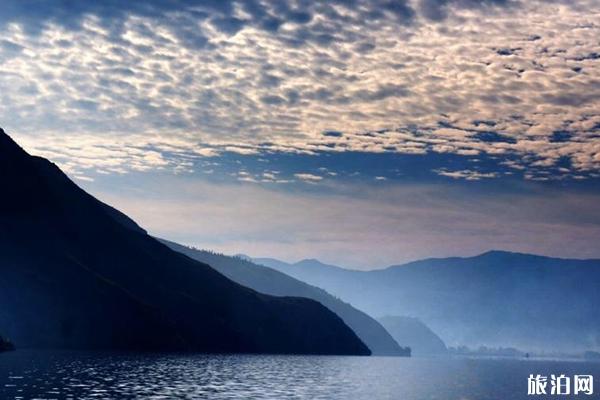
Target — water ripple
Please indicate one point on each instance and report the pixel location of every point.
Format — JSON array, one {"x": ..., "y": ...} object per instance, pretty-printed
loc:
[{"x": 81, "y": 375}]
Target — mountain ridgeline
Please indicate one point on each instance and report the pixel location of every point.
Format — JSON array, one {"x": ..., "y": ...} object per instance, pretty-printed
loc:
[
  {"x": 496, "y": 299},
  {"x": 269, "y": 281},
  {"x": 77, "y": 274},
  {"x": 415, "y": 334}
]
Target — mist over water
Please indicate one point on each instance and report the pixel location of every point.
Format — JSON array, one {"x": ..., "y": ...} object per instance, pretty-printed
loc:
[{"x": 85, "y": 375}]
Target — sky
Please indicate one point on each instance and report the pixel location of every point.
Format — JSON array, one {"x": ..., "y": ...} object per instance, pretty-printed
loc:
[{"x": 362, "y": 133}]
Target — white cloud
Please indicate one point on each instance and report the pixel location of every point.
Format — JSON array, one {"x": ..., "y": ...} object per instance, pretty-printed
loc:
[
  {"x": 466, "y": 174},
  {"x": 248, "y": 90},
  {"x": 311, "y": 178}
]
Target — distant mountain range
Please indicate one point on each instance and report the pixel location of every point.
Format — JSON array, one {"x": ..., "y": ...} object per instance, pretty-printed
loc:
[
  {"x": 76, "y": 273},
  {"x": 495, "y": 299},
  {"x": 272, "y": 282}
]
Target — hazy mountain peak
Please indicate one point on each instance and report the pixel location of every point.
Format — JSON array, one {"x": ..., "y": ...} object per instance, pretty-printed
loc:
[
  {"x": 309, "y": 261},
  {"x": 504, "y": 253},
  {"x": 244, "y": 257},
  {"x": 314, "y": 264},
  {"x": 466, "y": 299}
]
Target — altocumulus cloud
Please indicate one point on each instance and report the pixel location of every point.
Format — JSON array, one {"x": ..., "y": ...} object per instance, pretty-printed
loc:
[{"x": 144, "y": 85}]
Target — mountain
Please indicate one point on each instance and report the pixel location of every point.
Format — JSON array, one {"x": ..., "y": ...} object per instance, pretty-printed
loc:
[
  {"x": 312, "y": 271},
  {"x": 269, "y": 281},
  {"x": 496, "y": 299},
  {"x": 75, "y": 273},
  {"x": 413, "y": 333}
]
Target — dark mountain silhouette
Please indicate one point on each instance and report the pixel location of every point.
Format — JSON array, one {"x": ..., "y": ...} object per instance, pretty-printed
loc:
[
  {"x": 75, "y": 273},
  {"x": 496, "y": 299},
  {"x": 415, "y": 334},
  {"x": 269, "y": 281}
]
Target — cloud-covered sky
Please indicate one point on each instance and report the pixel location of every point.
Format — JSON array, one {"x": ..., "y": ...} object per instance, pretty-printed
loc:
[{"x": 487, "y": 111}]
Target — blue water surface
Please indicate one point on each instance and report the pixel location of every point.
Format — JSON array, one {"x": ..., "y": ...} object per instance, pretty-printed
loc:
[{"x": 83, "y": 375}]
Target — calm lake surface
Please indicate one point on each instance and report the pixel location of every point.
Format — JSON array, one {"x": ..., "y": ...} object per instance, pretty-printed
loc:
[{"x": 74, "y": 375}]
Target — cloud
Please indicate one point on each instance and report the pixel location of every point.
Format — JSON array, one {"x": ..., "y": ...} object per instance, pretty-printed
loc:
[
  {"x": 297, "y": 128},
  {"x": 466, "y": 174},
  {"x": 463, "y": 77},
  {"x": 310, "y": 178},
  {"x": 438, "y": 10}
]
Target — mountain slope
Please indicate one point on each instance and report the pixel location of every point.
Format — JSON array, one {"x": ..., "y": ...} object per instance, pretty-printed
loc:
[
  {"x": 312, "y": 271},
  {"x": 494, "y": 299},
  {"x": 75, "y": 273},
  {"x": 269, "y": 281},
  {"x": 415, "y": 334}
]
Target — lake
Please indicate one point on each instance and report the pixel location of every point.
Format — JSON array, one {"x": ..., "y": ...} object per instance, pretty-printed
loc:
[{"x": 84, "y": 375}]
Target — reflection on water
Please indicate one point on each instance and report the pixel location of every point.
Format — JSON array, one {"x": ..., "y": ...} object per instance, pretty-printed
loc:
[{"x": 72, "y": 375}]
